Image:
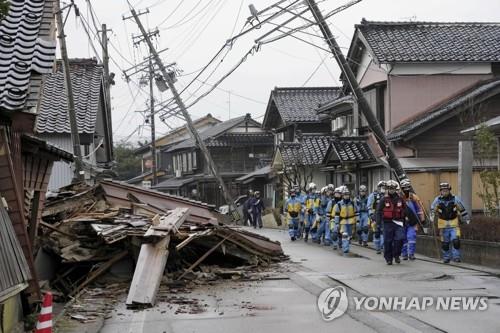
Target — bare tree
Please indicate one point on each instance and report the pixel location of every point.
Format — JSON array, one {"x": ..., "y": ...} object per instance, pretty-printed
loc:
[{"x": 297, "y": 174}]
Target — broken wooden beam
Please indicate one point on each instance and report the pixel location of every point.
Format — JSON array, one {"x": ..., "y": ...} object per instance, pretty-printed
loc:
[
  {"x": 163, "y": 225},
  {"x": 103, "y": 268},
  {"x": 152, "y": 261},
  {"x": 51, "y": 227},
  {"x": 203, "y": 257}
]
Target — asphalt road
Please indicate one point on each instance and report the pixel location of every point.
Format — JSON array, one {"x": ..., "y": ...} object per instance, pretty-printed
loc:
[{"x": 289, "y": 304}]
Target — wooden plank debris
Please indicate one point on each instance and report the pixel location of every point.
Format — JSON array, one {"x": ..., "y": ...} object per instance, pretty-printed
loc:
[
  {"x": 161, "y": 226},
  {"x": 203, "y": 257},
  {"x": 103, "y": 268},
  {"x": 152, "y": 261}
]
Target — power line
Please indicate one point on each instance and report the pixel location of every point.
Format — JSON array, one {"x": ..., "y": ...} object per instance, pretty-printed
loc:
[
  {"x": 180, "y": 23},
  {"x": 315, "y": 70}
]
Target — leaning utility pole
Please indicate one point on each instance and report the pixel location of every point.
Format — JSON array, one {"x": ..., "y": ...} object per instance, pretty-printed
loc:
[
  {"x": 107, "y": 89},
  {"x": 357, "y": 91},
  {"x": 75, "y": 137},
  {"x": 189, "y": 123},
  {"x": 152, "y": 115}
]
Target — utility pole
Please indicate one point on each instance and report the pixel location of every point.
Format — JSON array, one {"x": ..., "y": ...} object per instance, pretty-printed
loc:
[
  {"x": 357, "y": 91},
  {"x": 152, "y": 114},
  {"x": 107, "y": 88},
  {"x": 189, "y": 123},
  {"x": 75, "y": 137}
]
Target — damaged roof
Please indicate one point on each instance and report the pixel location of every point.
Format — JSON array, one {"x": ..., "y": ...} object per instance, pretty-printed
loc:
[
  {"x": 86, "y": 77},
  {"x": 26, "y": 51},
  {"x": 298, "y": 104},
  {"x": 432, "y": 41},
  {"x": 446, "y": 109},
  {"x": 310, "y": 150}
]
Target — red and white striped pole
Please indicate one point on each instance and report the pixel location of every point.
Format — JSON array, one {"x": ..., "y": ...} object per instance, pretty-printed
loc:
[{"x": 44, "y": 324}]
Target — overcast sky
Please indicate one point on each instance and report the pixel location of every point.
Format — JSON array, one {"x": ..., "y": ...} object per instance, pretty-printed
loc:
[{"x": 194, "y": 30}]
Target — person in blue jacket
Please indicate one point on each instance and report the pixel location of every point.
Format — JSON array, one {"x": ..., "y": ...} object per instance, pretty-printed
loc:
[
  {"x": 450, "y": 212},
  {"x": 293, "y": 207}
]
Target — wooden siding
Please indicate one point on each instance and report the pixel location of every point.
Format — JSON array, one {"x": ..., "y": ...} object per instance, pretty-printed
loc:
[
  {"x": 442, "y": 140},
  {"x": 15, "y": 271},
  {"x": 12, "y": 191}
]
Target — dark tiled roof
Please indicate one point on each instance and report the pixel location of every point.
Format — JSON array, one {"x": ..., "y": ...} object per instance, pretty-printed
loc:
[
  {"x": 172, "y": 135},
  {"x": 444, "y": 108},
  {"x": 352, "y": 150},
  {"x": 86, "y": 77},
  {"x": 300, "y": 104},
  {"x": 173, "y": 183},
  {"x": 309, "y": 151},
  {"x": 238, "y": 140},
  {"x": 214, "y": 132},
  {"x": 262, "y": 172},
  {"x": 22, "y": 51},
  {"x": 431, "y": 41}
]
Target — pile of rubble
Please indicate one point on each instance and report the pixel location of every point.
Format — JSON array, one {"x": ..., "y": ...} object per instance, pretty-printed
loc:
[{"x": 90, "y": 229}]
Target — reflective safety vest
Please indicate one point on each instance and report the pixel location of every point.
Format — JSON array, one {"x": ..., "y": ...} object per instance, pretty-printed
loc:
[
  {"x": 310, "y": 203},
  {"x": 393, "y": 210},
  {"x": 294, "y": 207},
  {"x": 346, "y": 212},
  {"x": 321, "y": 204},
  {"x": 447, "y": 213}
]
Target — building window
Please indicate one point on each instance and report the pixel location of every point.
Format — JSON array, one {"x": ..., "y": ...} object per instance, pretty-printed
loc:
[
  {"x": 195, "y": 161},
  {"x": 189, "y": 162},
  {"x": 174, "y": 162},
  {"x": 86, "y": 150},
  {"x": 184, "y": 162}
]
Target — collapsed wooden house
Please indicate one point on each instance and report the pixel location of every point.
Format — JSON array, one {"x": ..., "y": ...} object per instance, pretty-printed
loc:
[{"x": 88, "y": 229}]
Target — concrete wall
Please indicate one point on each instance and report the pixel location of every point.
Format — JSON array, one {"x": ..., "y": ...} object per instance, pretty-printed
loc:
[{"x": 472, "y": 252}]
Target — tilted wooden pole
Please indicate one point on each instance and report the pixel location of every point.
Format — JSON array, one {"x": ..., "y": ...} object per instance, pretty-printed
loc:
[
  {"x": 189, "y": 123},
  {"x": 357, "y": 91},
  {"x": 75, "y": 137}
]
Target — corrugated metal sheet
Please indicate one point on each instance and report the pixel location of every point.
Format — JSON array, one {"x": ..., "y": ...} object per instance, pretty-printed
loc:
[
  {"x": 14, "y": 271},
  {"x": 61, "y": 171}
]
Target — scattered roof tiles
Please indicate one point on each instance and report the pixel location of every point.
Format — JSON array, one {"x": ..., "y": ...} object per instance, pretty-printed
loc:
[
  {"x": 443, "y": 109},
  {"x": 300, "y": 104},
  {"x": 431, "y": 41},
  {"x": 23, "y": 51},
  {"x": 352, "y": 150},
  {"x": 309, "y": 151},
  {"x": 86, "y": 77}
]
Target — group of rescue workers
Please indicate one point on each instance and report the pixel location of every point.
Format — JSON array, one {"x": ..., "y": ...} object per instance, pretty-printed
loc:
[{"x": 392, "y": 214}]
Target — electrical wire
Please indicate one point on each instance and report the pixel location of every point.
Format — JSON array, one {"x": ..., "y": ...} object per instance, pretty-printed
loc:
[
  {"x": 171, "y": 13},
  {"x": 315, "y": 70},
  {"x": 180, "y": 22}
]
